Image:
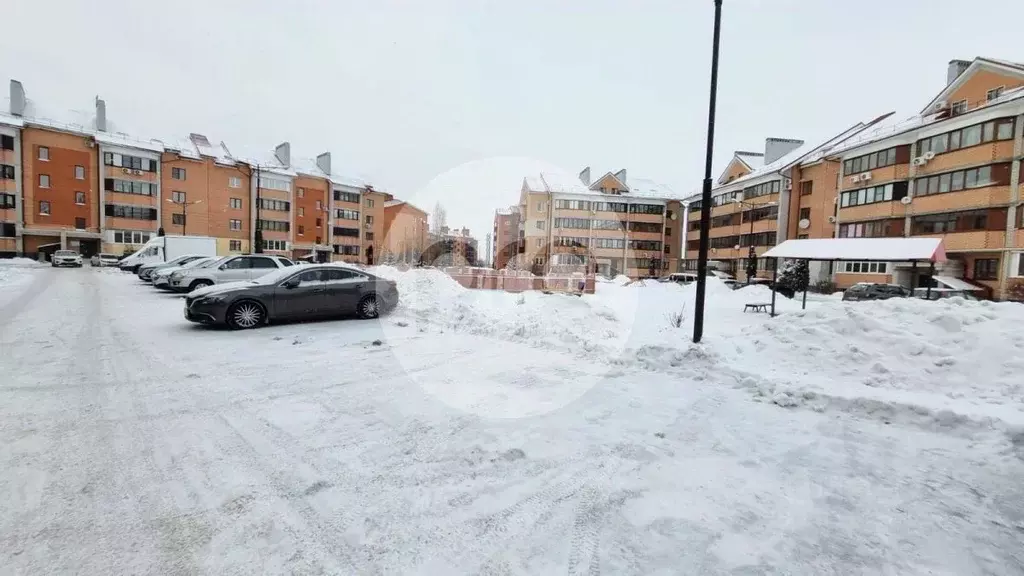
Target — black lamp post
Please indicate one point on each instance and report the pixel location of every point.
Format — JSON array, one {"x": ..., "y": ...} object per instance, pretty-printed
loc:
[
  {"x": 751, "y": 269},
  {"x": 705, "y": 206}
]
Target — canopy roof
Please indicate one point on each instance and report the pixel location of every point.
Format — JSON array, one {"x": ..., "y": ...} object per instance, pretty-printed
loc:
[{"x": 871, "y": 249}]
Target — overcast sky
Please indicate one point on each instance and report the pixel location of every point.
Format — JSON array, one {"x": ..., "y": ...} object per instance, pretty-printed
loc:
[{"x": 423, "y": 96}]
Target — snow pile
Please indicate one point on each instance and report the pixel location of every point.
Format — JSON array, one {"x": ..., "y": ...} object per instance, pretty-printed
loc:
[{"x": 20, "y": 263}]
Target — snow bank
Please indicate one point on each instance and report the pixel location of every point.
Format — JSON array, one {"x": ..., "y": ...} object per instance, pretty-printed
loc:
[
  {"x": 16, "y": 275},
  {"x": 943, "y": 361},
  {"x": 20, "y": 263}
]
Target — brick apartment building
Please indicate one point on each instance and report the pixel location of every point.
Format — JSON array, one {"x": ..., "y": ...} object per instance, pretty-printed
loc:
[
  {"x": 506, "y": 236},
  {"x": 80, "y": 184},
  {"x": 612, "y": 225},
  {"x": 951, "y": 171}
]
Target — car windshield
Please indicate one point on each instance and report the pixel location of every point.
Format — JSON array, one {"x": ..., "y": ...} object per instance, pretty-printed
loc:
[
  {"x": 65, "y": 253},
  {"x": 198, "y": 263},
  {"x": 275, "y": 276}
]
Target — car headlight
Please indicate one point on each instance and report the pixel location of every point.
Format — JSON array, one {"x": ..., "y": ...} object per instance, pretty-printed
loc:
[
  {"x": 213, "y": 299},
  {"x": 177, "y": 276}
]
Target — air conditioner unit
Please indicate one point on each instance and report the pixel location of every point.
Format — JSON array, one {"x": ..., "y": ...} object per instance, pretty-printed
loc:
[
  {"x": 906, "y": 200},
  {"x": 855, "y": 178},
  {"x": 90, "y": 143},
  {"x": 929, "y": 155},
  {"x": 789, "y": 185},
  {"x": 865, "y": 177},
  {"x": 125, "y": 170},
  {"x": 920, "y": 161},
  {"x": 137, "y": 172},
  {"x": 831, "y": 219},
  {"x": 941, "y": 104}
]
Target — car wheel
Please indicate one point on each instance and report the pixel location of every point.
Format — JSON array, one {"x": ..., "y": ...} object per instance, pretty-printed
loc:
[
  {"x": 369, "y": 307},
  {"x": 245, "y": 315},
  {"x": 199, "y": 284}
]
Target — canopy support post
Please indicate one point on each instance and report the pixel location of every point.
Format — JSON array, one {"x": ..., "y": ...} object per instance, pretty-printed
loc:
[
  {"x": 913, "y": 276},
  {"x": 931, "y": 280},
  {"x": 775, "y": 278},
  {"x": 803, "y": 305}
]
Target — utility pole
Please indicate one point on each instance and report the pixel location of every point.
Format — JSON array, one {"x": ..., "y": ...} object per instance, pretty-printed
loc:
[
  {"x": 257, "y": 235},
  {"x": 184, "y": 212},
  {"x": 705, "y": 207}
]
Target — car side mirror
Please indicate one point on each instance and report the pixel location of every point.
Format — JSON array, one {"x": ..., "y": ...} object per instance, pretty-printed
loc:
[
  {"x": 291, "y": 283},
  {"x": 222, "y": 267}
]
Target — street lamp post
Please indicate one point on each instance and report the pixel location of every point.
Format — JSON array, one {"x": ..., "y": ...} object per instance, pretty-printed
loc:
[
  {"x": 184, "y": 212},
  {"x": 705, "y": 207},
  {"x": 751, "y": 269}
]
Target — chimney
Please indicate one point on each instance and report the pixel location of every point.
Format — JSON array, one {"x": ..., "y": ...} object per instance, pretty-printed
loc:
[
  {"x": 283, "y": 153},
  {"x": 323, "y": 162},
  {"x": 17, "y": 99},
  {"x": 621, "y": 175},
  {"x": 101, "y": 115},
  {"x": 775, "y": 148},
  {"x": 955, "y": 69},
  {"x": 585, "y": 176}
]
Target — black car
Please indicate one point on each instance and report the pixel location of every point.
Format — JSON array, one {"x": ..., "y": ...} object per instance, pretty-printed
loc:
[
  {"x": 870, "y": 291},
  {"x": 291, "y": 294}
]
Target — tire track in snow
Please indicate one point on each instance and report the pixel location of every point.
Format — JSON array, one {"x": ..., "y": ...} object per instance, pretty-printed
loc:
[
  {"x": 586, "y": 535},
  {"x": 11, "y": 310}
]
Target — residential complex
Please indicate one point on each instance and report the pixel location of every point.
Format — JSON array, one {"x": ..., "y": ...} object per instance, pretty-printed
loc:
[
  {"x": 80, "y": 184},
  {"x": 507, "y": 237},
  {"x": 951, "y": 171},
  {"x": 452, "y": 248},
  {"x": 612, "y": 225}
]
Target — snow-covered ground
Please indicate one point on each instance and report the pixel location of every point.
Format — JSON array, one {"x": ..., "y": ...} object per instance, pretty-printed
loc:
[{"x": 483, "y": 432}]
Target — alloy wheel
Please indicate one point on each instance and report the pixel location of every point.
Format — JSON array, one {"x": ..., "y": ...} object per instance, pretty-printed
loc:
[
  {"x": 246, "y": 315},
  {"x": 369, "y": 307}
]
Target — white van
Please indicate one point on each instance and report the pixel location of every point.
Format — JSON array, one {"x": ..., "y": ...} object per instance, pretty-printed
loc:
[
  {"x": 683, "y": 277},
  {"x": 164, "y": 248}
]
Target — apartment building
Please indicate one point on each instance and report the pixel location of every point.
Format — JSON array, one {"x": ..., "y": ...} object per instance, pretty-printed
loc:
[
  {"x": 79, "y": 183},
  {"x": 406, "y": 232},
  {"x": 506, "y": 236},
  {"x": 447, "y": 247},
  {"x": 612, "y": 224}
]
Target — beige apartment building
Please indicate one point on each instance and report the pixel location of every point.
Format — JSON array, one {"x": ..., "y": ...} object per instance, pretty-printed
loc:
[
  {"x": 79, "y": 183},
  {"x": 610, "y": 225}
]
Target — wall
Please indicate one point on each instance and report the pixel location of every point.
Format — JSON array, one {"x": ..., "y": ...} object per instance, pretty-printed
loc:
[
  {"x": 978, "y": 85},
  {"x": 305, "y": 211},
  {"x": 66, "y": 152},
  {"x": 373, "y": 233},
  {"x": 405, "y": 231}
]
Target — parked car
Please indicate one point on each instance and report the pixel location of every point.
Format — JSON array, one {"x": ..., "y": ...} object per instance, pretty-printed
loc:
[
  {"x": 161, "y": 249},
  {"x": 145, "y": 271},
  {"x": 161, "y": 277},
  {"x": 940, "y": 293},
  {"x": 873, "y": 291},
  {"x": 99, "y": 260},
  {"x": 294, "y": 293},
  {"x": 683, "y": 277},
  {"x": 229, "y": 269},
  {"x": 66, "y": 258}
]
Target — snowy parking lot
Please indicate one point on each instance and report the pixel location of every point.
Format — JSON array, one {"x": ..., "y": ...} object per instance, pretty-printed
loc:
[{"x": 483, "y": 432}]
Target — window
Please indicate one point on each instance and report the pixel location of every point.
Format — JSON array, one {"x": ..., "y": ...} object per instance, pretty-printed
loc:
[
  {"x": 276, "y": 245},
  {"x": 6, "y": 142},
  {"x": 178, "y": 197},
  {"x": 882, "y": 193},
  {"x": 79, "y": 172},
  {"x": 8, "y": 230},
  {"x": 649, "y": 227},
  {"x": 6, "y": 172},
  {"x": 234, "y": 182},
  {"x": 235, "y": 203},
  {"x": 875, "y": 229},
  {"x": 320, "y": 206},
  {"x": 6, "y": 201},
  {"x": 319, "y": 222},
  {"x": 44, "y": 153},
  {"x": 993, "y": 130},
  {"x": 335, "y": 275},
  {"x": 540, "y": 206},
  {"x": 278, "y": 205},
  {"x": 369, "y": 236},
  {"x": 668, "y": 249},
  {"x": 178, "y": 219},
  {"x": 668, "y": 231},
  {"x": 864, "y": 267},
  {"x": 805, "y": 213},
  {"x": 758, "y": 214},
  {"x": 539, "y": 261},
  {"x": 772, "y": 187},
  {"x": 806, "y": 187},
  {"x": 986, "y": 269},
  {"x": 80, "y": 223},
  {"x": 346, "y": 214},
  {"x": 369, "y": 202},
  {"x": 346, "y": 232},
  {"x": 646, "y": 209},
  {"x": 584, "y": 223},
  {"x": 346, "y": 250},
  {"x": 802, "y": 236},
  {"x": 538, "y": 242},
  {"x": 369, "y": 219},
  {"x": 235, "y": 245},
  {"x": 966, "y": 221},
  {"x": 277, "y": 184},
  {"x": 958, "y": 108},
  {"x": 272, "y": 225},
  {"x": 235, "y": 224},
  {"x": 129, "y": 187},
  {"x": 879, "y": 159},
  {"x": 237, "y": 264},
  {"x": 178, "y": 173},
  {"x": 539, "y": 224},
  {"x": 44, "y": 180},
  {"x": 302, "y": 210},
  {"x": 301, "y": 192},
  {"x": 129, "y": 162},
  {"x": 302, "y": 229},
  {"x": 994, "y": 93},
  {"x": 44, "y": 208},
  {"x": 350, "y": 197},
  {"x": 130, "y": 237},
  {"x": 962, "y": 180},
  {"x": 80, "y": 198},
  {"x": 1020, "y": 264},
  {"x": 644, "y": 245}
]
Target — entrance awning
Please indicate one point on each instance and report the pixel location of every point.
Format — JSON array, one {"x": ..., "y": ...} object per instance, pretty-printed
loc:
[{"x": 861, "y": 249}]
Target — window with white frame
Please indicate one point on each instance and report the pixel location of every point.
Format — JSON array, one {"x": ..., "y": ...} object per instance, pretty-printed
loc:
[
  {"x": 131, "y": 237},
  {"x": 958, "y": 108},
  {"x": 44, "y": 180},
  {"x": 276, "y": 184},
  {"x": 44, "y": 207},
  {"x": 539, "y": 224},
  {"x": 235, "y": 245},
  {"x": 80, "y": 198},
  {"x": 235, "y": 224},
  {"x": 541, "y": 206},
  {"x": 278, "y": 245},
  {"x": 79, "y": 172},
  {"x": 538, "y": 242},
  {"x": 44, "y": 153},
  {"x": 1019, "y": 268},
  {"x": 178, "y": 197},
  {"x": 236, "y": 203},
  {"x": 994, "y": 93},
  {"x": 234, "y": 182},
  {"x": 865, "y": 267}
]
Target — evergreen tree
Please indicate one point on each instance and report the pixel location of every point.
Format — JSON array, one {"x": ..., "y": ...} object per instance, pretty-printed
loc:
[{"x": 794, "y": 276}]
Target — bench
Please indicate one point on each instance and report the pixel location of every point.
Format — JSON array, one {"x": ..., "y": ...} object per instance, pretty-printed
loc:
[{"x": 757, "y": 307}]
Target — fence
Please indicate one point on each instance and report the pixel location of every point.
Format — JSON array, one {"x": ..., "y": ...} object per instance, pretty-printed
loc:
[{"x": 520, "y": 281}]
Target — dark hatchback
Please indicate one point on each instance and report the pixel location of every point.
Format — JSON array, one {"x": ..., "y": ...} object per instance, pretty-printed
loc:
[
  {"x": 293, "y": 294},
  {"x": 869, "y": 291}
]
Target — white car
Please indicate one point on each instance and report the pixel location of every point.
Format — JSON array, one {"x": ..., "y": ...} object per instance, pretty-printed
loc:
[
  {"x": 66, "y": 258},
  {"x": 228, "y": 269},
  {"x": 161, "y": 277},
  {"x": 99, "y": 260}
]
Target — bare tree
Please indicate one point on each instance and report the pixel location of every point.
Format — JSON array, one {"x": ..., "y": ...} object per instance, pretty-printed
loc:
[{"x": 438, "y": 219}]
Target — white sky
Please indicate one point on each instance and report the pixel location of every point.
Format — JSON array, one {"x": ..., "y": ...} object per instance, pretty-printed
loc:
[{"x": 406, "y": 91}]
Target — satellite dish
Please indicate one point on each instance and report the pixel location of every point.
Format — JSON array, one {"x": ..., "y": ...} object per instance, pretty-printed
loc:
[
  {"x": 804, "y": 224},
  {"x": 906, "y": 200},
  {"x": 831, "y": 219}
]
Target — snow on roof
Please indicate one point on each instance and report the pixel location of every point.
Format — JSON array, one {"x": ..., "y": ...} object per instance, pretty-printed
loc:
[
  {"x": 876, "y": 249},
  {"x": 955, "y": 283},
  {"x": 570, "y": 184},
  {"x": 308, "y": 166},
  {"x": 8, "y": 120},
  {"x": 752, "y": 159},
  {"x": 122, "y": 139}
]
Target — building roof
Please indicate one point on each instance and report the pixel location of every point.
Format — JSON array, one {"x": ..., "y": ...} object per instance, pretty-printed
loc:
[
  {"x": 753, "y": 160},
  {"x": 1001, "y": 66},
  {"x": 873, "y": 249},
  {"x": 570, "y": 184}
]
